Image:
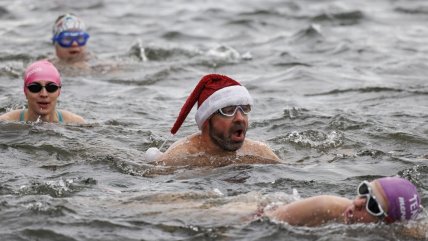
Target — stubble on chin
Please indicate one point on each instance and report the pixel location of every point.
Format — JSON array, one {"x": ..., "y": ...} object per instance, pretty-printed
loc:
[{"x": 223, "y": 141}]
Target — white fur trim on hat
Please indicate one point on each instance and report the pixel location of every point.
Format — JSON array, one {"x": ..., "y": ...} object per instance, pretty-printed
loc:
[{"x": 231, "y": 95}]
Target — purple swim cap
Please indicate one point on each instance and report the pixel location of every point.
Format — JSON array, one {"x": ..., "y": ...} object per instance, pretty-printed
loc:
[{"x": 403, "y": 198}]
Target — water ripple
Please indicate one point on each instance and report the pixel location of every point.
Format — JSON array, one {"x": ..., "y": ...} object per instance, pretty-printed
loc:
[
  {"x": 314, "y": 139},
  {"x": 343, "y": 18},
  {"x": 57, "y": 188}
]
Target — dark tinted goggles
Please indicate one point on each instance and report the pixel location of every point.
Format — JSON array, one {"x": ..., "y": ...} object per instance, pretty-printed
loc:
[
  {"x": 37, "y": 87},
  {"x": 372, "y": 205},
  {"x": 65, "y": 39},
  {"x": 231, "y": 110}
]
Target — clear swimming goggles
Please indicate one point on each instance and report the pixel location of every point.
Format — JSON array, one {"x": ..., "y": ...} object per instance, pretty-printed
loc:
[
  {"x": 231, "y": 110},
  {"x": 65, "y": 39}
]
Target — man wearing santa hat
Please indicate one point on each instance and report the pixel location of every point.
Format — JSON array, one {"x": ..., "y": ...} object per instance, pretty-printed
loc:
[{"x": 222, "y": 117}]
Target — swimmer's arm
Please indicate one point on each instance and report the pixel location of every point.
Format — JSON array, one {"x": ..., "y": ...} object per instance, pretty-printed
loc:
[{"x": 312, "y": 211}]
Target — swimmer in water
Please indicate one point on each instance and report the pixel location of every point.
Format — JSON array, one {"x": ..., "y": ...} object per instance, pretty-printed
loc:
[
  {"x": 222, "y": 117},
  {"x": 70, "y": 40},
  {"x": 42, "y": 87},
  {"x": 387, "y": 199}
]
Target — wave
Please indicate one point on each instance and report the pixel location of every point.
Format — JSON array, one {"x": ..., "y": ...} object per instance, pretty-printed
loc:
[
  {"x": 6, "y": 14},
  {"x": 57, "y": 188},
  {"x": 342, "y": 18},
  {"x": 368, "y": 90},
  {"x": 312, "y": 139},
  {"x": 311, "y": 33},
  {"x": 407, "y": 137},
  {"x": 160, "y": 53},
  {"x": 412, "y": 10},
  {"x": 30, "y": 233},
  {"x": 21, "y": 57},
  {"x": 9, "y": 71},
  {"x": 345, "y": 123},
  {"x": 64, "y": 6},
  {"x": 417, "y": 174},
  {"x": 216, "y": 56}
]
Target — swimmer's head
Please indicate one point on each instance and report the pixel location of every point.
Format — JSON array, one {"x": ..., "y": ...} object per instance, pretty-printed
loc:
[
  {"x": 68, "y": 22},
  {"x": 212, "y": 93},
  {"x": 41, "y": 70},
  {"x": 402, "y": 197}
]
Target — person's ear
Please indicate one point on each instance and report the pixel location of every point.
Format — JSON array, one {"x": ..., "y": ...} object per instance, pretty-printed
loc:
[{"x": 206, "y": 125}]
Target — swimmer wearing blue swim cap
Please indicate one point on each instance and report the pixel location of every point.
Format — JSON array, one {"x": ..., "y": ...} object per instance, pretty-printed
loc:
[{"x": 70, "y": 38}]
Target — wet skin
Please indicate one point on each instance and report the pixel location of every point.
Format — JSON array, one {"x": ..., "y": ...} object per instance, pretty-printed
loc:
[
  {"x": 221, "y": 142},
  {"x": 357, "y": 213},
  {"x": 228, "y": 132},
  {"x": 42, "y": 104},
  {"x": 73, "y": 54}
]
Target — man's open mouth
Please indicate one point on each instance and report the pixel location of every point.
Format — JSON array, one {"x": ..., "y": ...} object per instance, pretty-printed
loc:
[{"x": 238, "y": 134}]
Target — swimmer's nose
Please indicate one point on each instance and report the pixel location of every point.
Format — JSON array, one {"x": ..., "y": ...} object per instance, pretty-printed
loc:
[
  {"x": 74, "y": 44},
  {"x": 359, "y": 202},
  {"x": 239, "y": 115},
  {"x": 43, "y": 92}
]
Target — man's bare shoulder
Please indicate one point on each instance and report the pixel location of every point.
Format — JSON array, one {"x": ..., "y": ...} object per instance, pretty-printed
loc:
[
  {"x": 177, "y": 153},
  {"x": 190, "y": 151},
  {"x": 254, "y": 143},
  {"x": 11, "y": 116},
  {"x": 257, "y": 148},
  {"x": 186, "y": 145}
]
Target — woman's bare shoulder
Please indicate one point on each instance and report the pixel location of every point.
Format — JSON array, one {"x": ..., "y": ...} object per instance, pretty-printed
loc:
[
  {"x": 11, "y": 116},
  {"x": 70, "y": 117}
]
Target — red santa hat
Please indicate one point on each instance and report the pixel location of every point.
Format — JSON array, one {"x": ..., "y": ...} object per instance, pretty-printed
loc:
[{"x": 213, "y": 92}]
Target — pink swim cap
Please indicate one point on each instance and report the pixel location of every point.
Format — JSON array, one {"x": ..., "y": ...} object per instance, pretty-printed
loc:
[
  {"x": 41, "y": 70},
  {"x": 403, "y": 198}
]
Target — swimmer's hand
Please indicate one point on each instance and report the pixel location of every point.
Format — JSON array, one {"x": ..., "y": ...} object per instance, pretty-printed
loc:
[{"x": 152, "y": 154}]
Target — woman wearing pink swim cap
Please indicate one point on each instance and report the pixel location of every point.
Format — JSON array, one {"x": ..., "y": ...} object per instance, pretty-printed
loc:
[
  {"x": 42, "y": 87},
  {"x": 386, "y": 200}
]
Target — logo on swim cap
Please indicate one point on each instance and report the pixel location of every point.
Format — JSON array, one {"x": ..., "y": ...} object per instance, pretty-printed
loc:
[
  {"x": 402, "y": 197},
  {"x": 413, "y": 205},
  {"x": 68, "y": 22},
  {"x": 41, "y": 70},
  {"x": 32, "y": 71}
]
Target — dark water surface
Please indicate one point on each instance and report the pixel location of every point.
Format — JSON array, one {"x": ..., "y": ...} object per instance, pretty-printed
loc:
[{"x": 341, "y": 95}]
